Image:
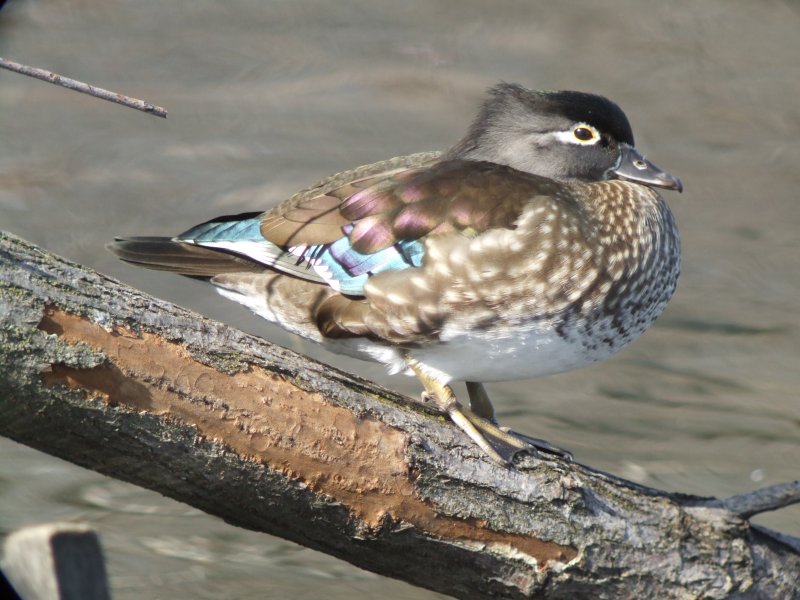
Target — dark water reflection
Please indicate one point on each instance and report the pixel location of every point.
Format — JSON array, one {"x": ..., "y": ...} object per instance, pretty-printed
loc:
[{"x": 266, "y": 97}]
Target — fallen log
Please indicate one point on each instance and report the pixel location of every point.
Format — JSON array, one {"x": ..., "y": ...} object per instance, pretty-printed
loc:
[{"x": 100, "y": 374}]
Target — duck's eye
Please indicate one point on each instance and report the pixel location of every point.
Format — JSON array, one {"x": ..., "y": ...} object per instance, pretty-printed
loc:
[{"x": 583, "y": 134}]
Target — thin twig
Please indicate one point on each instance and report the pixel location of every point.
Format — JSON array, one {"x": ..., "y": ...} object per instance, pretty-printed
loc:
[
  {"x": 84, "y": 88},
  {"x": 763, "y": 500}
]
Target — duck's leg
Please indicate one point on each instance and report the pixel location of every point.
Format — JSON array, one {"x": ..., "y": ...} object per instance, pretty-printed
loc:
[
  {"x": 499, "y": 445},
  {"x": 481, "y": 405},
  {"x": 479, "y": 401}
]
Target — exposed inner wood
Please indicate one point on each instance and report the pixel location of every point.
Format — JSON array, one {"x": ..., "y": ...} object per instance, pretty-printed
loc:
[{"x": 359, "y": 462}]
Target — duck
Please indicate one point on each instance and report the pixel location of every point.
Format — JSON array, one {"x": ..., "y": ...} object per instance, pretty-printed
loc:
[{"x": 537, "y": 244}]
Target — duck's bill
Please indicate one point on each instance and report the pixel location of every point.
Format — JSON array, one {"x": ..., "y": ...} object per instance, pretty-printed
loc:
[{"x": 633, "y": 166}]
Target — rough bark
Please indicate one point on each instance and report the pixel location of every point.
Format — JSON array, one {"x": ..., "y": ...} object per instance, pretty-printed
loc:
[{"x": 102, "y": 375}]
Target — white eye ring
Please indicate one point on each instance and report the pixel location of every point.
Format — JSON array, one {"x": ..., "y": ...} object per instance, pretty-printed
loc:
[{"x": 580, "y": 134}]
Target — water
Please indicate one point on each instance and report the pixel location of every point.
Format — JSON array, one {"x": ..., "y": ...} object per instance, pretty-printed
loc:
[{"x": 266, "y": 97}]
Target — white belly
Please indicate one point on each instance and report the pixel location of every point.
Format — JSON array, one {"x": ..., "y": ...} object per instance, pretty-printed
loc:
[
  {"x": 487, "y": 356},
  {"x": 522, "y": 356}
]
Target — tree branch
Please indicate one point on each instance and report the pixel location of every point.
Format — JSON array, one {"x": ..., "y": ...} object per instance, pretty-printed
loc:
[
  {"x": 83, "y": 88},
  {"x": 764, "y": 499},
  {"x": 109, "y": 378}
]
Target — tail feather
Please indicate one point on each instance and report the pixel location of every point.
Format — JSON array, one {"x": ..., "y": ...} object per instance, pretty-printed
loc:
[{"x": 166, "y": 254}]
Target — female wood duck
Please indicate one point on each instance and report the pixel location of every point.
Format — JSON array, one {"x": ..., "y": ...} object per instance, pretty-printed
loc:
[{"x": 535, "y": 245}]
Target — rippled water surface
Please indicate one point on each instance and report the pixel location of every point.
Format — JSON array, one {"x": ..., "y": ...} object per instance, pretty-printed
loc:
[{"x": 266, "y": 97}]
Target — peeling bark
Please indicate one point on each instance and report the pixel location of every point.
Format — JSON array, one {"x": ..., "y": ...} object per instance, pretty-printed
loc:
[{"x": 102, "y": 375}]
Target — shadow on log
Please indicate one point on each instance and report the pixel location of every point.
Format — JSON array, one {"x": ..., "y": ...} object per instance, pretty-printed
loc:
[{"x": 95, "y": 372}]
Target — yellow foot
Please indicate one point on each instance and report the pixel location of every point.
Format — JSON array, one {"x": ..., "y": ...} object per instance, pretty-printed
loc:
[{"x": 501, "y": 445}]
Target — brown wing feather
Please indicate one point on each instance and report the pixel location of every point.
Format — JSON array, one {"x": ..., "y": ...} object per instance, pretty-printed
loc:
[
  {"x": 164, "y": 254},
  {"x": 403, "y": 199},
  {"x": 315, "y": 221},
  {"x": 341, "y": 317},
  {"x": 450, "y": 196},
  {"x": 312, "y": 216}
]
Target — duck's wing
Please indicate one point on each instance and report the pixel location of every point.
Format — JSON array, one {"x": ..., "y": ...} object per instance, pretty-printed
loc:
[
  {"x": 234, "y": 244},
  {"x": 381, "y": 223}
]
